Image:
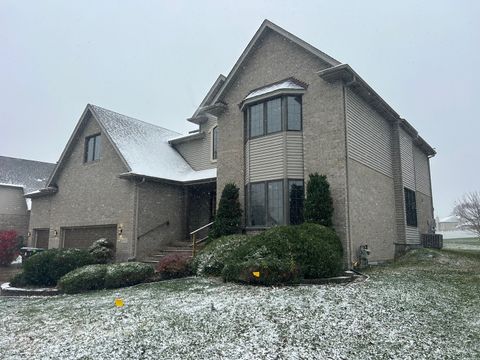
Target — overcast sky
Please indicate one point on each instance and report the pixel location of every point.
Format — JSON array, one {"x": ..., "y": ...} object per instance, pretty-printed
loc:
[{"x": 155, "y": 60}]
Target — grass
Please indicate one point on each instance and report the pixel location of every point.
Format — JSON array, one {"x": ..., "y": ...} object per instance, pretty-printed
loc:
[
  {"x": 462, "y": 244},
  {"x": 424, "y": 306}
]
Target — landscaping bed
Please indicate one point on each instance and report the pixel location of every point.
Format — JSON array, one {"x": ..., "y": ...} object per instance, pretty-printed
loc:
[{"x": 424, "y": 306}]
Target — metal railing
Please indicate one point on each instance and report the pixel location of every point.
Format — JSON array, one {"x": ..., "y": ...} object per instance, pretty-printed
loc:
[
  {"x": 193, "y": 236},
  {"x": 154, "y": 228}
]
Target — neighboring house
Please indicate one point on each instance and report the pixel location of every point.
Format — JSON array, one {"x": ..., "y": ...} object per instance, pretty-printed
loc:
[
  {"x": 17, "y": 177},
  {"x": 285, "y": 110},
  {"x": 449, "y": 223}
]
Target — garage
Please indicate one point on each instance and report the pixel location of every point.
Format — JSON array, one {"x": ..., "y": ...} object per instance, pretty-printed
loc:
[
  {"x": 41, "y": 238},
  {"x": 83, "y": 237}
]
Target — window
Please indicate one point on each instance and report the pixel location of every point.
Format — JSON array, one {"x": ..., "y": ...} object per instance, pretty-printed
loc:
[
  {"x": 93, "y": 146},
  {"x": 214, "y": 143},
  {"x": 274, "y": 115},
  {"x": 266, "y": 202},
  {"x": 294, "y": 113},
  {"x": 275, "y": 203},
  {"x": 257, "y": 204},
  {"x": 256, "y": 120},
  {"x": 410, "y": 207},
  {"x": 296, "y": 194}
]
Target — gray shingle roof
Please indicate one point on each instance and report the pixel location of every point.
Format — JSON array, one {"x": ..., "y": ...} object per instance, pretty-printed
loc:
[{"x": 31, "y": 175}]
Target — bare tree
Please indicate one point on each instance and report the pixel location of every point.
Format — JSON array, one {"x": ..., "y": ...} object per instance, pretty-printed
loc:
[{"x": 468, "y": 210}]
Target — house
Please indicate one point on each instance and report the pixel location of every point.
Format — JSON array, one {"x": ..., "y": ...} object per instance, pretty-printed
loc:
[
  {"x": 284, "y": 111},
  {"x": 17, "y": 177},
  {"x": 449, "y": 223}
]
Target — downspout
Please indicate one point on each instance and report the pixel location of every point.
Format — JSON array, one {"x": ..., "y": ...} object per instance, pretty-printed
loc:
[{"x": 135, "y": 242}]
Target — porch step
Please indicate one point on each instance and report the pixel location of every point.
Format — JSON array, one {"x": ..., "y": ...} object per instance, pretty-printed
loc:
[{"x": 178, "y": 247}]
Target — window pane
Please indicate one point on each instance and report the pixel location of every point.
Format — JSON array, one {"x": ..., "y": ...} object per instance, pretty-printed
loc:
[
  {"x": 98, "y": 147},
  {"x": 294, "y": 106},
  {"x": 257, "y": 204},
  {"x": 90, "y": 145},
  {"x": 214, "y": 143},
  {"x": 256, "y": 120},
  {"x": 410, "y": 207},
  {"x": 275, "y": 203},
  {"x": 274, "y": 115},
  {"x": 296, "y": 193}
]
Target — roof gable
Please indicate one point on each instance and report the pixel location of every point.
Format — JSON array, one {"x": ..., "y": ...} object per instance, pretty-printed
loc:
[
  {"x": 268, "y": 25},
  {"x": 143, "y": 148}
]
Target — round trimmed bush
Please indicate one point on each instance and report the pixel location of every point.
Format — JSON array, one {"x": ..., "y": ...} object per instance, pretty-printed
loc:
[
  {"x": 102, "y": 251},
  {"x": 317, "y": 251},
  {"x": 47, "y": 267},
  {"x": 90, "y": 277},
  {"x": 211, "y": 260},
  {"x": 127, "y": 274},
  {"x": 281, "y": 254}
]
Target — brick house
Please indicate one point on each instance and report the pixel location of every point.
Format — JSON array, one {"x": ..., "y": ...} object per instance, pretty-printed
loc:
[
  {"x": 285, "y": 110},
  {"x": 18, "y": 177}
]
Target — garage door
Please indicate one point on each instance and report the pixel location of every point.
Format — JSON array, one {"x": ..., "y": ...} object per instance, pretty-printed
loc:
[
  {"x": 83, "y": 237},
  {"x": 41, "y": 236}
]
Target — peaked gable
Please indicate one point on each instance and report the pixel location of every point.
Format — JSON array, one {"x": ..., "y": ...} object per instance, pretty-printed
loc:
[
  {"x": 142, "y": 147},
  {"x": 265, "y": 27}
]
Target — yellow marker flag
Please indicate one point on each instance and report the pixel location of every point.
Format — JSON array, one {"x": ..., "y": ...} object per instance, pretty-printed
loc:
[
  {"x": 119, "y": 302},
  {"x": 256, "y": 274}
]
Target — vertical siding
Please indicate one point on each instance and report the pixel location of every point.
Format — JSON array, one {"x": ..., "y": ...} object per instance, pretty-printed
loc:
[
  {"x": 412, "y": 234},
  {"x": 422, "y": 172},
  {"x": 294, "y": 148},
  {"x": 408, "y": 167},
  {"x": 198, "y": 153},
  {"x": 369, "y": 135}
]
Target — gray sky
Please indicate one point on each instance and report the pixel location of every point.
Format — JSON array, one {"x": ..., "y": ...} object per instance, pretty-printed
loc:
[{"x": 155, "y": 61}]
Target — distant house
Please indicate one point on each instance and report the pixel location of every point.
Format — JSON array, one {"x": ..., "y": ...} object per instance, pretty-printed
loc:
[
  {"x": 285, "y": 110},
  {"x": 449, "y": 223},
  {"x": 18, "y": 177}
]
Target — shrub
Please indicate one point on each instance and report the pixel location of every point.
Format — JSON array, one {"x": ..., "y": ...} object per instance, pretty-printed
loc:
[
  {"x": 8, "y": 247},
  {"x": 174, "y": 266},
  {"x": 318, "y": 251},
  {"x": 90, "y": 277},
  {"x": 102, "y": 251},
  {"x": 211, "y": 260},
  {"x": 229, "y": 214},
  {"x": 47, "y": 267},
  {"x": 127, "y": 274},
  {"x": 18, "y": 280},
  {"x": 281, "y": 254},
  {"x": 319, "y": 203}
]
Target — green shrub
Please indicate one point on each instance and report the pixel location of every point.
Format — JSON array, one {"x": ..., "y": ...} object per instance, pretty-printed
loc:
[
  {"x": 229, "y": 214},
  {"x": 281, "y": 254},
  {"x": 317, "y": 251},
  {"x": 127, "y": 274},
  {"x": 90, "y": 277},
  {"x": 18, "y": 280},
  {"x": 47, "y": 267},
  {"x": 211, "y": 259},
  {"x": 270, "y": 270},
  {"x": 319, "y": 203},
  {"x": 102, "y": 251},
  {"x": 174, "y": 266}
]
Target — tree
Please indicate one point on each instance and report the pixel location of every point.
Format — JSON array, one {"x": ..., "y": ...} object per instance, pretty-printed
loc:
[
  {"x": 229, "y": 214},
  {"x": 319, "y": 203},
  {"x": 468, "y": 210},
  {"x": 8, "y": 247}
]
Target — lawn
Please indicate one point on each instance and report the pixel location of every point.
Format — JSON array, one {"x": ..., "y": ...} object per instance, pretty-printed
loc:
[{"x": 425, "y": 306}]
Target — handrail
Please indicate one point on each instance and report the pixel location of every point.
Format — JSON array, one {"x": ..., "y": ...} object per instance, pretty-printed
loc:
[
  {"x": 154, "y": 228},
  {"x": 193, "y": 235},
  {"x": 201, "y": 228}
]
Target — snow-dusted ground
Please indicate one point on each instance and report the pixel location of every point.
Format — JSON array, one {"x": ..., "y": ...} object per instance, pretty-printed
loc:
[
  {"x": 425, "y": 309},
  {"x": 457, "y": 234}
]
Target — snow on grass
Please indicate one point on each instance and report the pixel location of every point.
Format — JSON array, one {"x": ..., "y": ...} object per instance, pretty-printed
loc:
[{"x": 425, "y": 307}]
